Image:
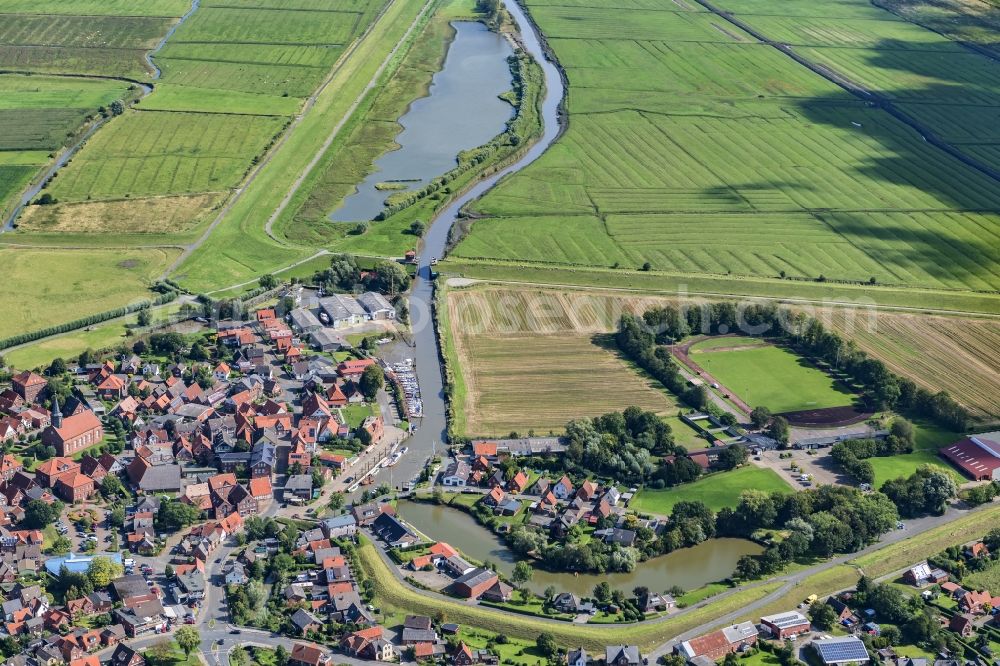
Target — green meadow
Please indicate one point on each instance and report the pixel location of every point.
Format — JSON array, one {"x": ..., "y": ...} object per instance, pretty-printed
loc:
[
  {"x": 717, "y": 490},
  {"x": 696, "y": 149}
]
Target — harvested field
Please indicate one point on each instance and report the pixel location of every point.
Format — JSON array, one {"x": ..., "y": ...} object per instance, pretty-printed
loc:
[
  {"x": 151, "y": 215},
  {"x": 961, "y": 356},
  {"x": 540, "y": 382}
]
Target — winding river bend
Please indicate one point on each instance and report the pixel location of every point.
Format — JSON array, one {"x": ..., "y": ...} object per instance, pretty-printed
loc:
[
  {"x": 462, "y": 110},
  {"x": 432, "y": 431},
  {"x": 689, "y": 568}
]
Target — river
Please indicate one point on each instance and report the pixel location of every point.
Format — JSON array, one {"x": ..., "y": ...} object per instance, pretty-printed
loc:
[
  {"x": 462, "y": 110},
  {"x": 689, "y": 568},
  {"x": 432, "y": 428}
]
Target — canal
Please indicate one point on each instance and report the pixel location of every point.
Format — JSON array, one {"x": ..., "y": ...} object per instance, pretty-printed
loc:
[
  {"x": 689, "y": 568},
  {"x": 461, "y": 111},
  {"x": 432, "y": 430}
]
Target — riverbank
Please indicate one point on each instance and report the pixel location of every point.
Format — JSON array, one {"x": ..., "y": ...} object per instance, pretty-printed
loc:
[{"x": 371, "y": 136}]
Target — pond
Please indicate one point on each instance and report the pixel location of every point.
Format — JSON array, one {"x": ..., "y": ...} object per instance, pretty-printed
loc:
[
  {"x": 462, "y": 110},
  {"x": 690, "y": 568}
]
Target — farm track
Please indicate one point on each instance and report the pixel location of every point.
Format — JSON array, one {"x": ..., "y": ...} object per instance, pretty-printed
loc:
[{"x": 310, "y": 103}]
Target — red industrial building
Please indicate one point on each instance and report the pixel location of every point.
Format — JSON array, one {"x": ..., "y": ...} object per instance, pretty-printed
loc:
[{"x": 978, "y": 456}]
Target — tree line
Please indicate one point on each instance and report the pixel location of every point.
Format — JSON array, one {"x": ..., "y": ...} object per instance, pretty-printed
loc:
[
  {"x": 881, "y": 389},
  {"x": 83, "y": 322}
]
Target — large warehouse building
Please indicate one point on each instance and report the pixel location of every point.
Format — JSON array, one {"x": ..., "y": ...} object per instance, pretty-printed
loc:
[{"x": 978, "y": 456}]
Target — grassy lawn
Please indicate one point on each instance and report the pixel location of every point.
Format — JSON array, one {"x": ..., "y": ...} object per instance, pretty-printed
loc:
[
  {"x": 716, "y": 490},
  {"x": 356, "y": 414},
  {"x": 774, "y": 378},
  {"x": 70, "y": 345},
  {"x": 929, "y": 438},
  {"x": 46, "y": 287},
  {"x": 685, "y": 435},
  {"x": 905, "y": 553},
  {"x": 988, "y": 579}
]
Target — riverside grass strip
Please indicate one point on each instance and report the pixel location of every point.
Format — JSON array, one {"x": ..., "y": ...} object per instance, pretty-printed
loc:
[
  {"x": 391, "y": 593},
  {"x": 698, "y": 150}
]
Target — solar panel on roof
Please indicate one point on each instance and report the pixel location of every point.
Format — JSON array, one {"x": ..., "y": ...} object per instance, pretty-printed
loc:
[{"x": 842, "y": 650}]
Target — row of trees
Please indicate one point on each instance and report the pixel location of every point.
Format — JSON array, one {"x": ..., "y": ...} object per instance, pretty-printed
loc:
[
  {"x": 637, "y": 341},
  {"x": 882, "y": 389},
  {"x": 83, "y": 322}
]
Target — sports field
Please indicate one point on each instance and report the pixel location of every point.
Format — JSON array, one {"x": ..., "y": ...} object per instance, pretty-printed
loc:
[
  {"x": 716, "y": 491},
  {"x": 771, "y": 377},
  {"x": 695, "y": 148}
]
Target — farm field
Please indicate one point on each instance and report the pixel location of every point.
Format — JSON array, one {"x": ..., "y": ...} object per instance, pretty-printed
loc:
[
  {"x": 239, "y": 248},
  {"x": 965, "y": 369},
  {"x": 230, "y": 83},
  {"x": 170, "y": 215},
  {"x": 38, "y": 116},
  {"x": 681, "y": 121},
  {"x": 716, "y": 490},
  {"x": 541, "y": 382},
  {"x": 772, "y": 377},
  {"x": 961, "y": 356},
  {"x": 46, "y": 287},
  {"x": 918, "y": 68},
  {"x": 554, "y": 340},
  {"x": 84, "y": 36},
  {"x": 150, "y": 153}
]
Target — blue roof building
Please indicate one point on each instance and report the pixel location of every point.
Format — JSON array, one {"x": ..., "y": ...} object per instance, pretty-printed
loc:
[{"x": 77, "y": 562}]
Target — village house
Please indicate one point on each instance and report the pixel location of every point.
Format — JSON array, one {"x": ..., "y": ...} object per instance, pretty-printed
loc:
[
  {"x": 718, "y": 644},
  {"x": 786, "y": 625},
  {"x": 28, "y": 385},
  {"x": 622, "y": 655}
]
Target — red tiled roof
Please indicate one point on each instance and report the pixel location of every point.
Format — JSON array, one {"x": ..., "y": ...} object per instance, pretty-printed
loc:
[{"x": 76, "y": 425}]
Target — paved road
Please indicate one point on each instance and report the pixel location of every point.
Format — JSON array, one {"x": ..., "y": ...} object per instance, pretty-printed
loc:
[{"x": 913, "y": 528}]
